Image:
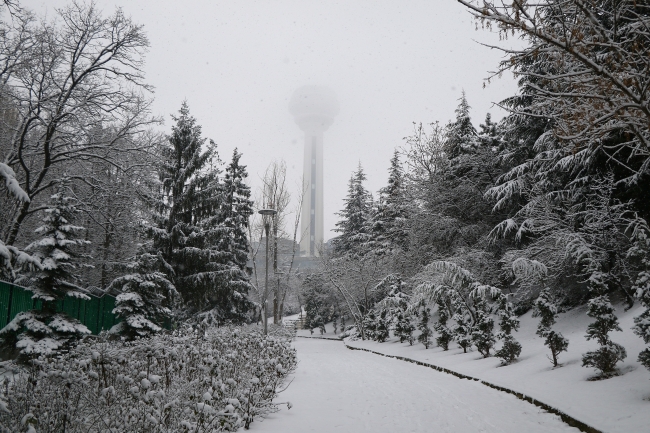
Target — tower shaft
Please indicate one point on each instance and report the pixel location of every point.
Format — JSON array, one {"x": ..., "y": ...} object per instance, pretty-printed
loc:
[{"x": 312, "y": 207}]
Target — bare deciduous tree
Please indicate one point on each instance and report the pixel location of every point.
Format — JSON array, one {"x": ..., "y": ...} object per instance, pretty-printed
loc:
[{"x": 62, "y": 82}]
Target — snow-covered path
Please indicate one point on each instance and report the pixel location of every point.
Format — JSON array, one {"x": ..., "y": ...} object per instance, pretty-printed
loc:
[{"x": 339, "y": 390}]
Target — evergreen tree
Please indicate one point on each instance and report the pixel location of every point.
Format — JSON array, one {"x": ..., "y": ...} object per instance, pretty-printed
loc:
[
  {"x": 200, "y": 225},
  {"x": 404, "y": 327},
  {"x": 381, "y": 330},
  {"x": 389, "y": 230},
  {"x": 445, "y": 335},
  {"x": 355, "y": 216},
  {"x": 145, "y": 293},
  {"x": 547, "y": 311},
  {"x": 462, "y": 332},
  {"x": 370, "y": 325},
  {"x": 508, "y": 323},
  {"x": 231, "y": 248},
  {"x": 609, "y": 353},
  {"x": 423, "y": 326},
  {"x": 45, "y": 331},
  {"x": 460, "y": 134},
  {"x": 640, "y": 251},
  {"x": 482, "y": 335}
]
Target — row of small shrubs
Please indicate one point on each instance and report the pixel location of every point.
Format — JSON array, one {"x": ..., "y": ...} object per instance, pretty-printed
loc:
[{"x": 190, "y": 380}]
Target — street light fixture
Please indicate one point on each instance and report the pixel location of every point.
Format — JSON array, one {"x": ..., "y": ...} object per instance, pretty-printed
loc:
[{"x": 266, "y": 215}]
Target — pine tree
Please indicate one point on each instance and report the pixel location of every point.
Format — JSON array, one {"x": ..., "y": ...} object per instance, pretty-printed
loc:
[
  {"x": 482, "y": 335},
  {"x": 355, "y": 216},
  {"x": 145, "y": 294},
  {"x": 508, "y": 323},
  {"x": 462, "y": 332},
  {"x": 445, "y": 335},
  {"x": 547, "y": 311},
  {"x": 46, "y": 331},
  {"x": 460, "y": 134},
  {"x": 423, "y": 326},
  {"x": 640, "y": 251},
  {"x": 389, "y": 230}
]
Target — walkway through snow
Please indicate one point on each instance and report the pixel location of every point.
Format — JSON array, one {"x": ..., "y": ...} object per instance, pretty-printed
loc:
[{"x": 339, "y": 390}]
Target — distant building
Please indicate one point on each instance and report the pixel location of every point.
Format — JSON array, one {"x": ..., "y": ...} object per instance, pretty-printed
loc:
[{"x": 314, "y": 109}]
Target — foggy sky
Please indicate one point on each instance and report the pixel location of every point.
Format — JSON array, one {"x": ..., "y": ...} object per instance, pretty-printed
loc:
[{"x": 237, "y": 63}]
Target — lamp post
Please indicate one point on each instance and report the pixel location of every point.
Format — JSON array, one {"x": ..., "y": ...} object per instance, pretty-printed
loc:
[
  {"x": 266, "y": 215},
  {"x": 278, "y": 303}
]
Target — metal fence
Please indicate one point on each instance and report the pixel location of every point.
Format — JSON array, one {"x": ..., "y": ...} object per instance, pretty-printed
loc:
[{"x": 96, "y": 313}]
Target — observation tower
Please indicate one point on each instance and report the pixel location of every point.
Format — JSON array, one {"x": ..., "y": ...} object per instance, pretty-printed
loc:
[{"x": 314, "y": 109}]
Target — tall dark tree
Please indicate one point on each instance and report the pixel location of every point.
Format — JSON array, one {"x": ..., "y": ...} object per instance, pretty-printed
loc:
[
  {"x": 235, "y": 210},
  {"x": 389, "y": 230},
  {"x": 354, "y": 224}
]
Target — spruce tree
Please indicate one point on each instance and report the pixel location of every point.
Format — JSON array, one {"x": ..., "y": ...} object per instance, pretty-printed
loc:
[
  {"x": 508, "y": 323},
  {"x": 145, "y": 295},
  {"x": 354, "y": 224},
  {"x": 482, "y": 335},
  {"x": 231, "y": 248},
  {"x": 423, "y": 326},
  {"x": 45, "y": 331},
  {"x": 198, "y": 225},
  {"x": 389, "y": 230},
  {"x": 547, "y": 311},
  {"x": 445, "y": 335}
]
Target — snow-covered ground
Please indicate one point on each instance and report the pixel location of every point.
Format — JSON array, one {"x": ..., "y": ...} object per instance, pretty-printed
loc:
[
  {"x": 339, "y": 390},
  {"x": 617, "y": 405}
]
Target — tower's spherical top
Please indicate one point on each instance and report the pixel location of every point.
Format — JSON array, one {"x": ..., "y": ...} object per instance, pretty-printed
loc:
[{"x": 314, "y": 107}]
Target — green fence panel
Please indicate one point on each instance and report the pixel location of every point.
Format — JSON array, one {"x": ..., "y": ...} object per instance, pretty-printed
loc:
[
  {"x": 21, "y": 300},
  {"x": 5, "y": 290},
  {"x": 96, "y": 313},
  {"x": 91, "y": 317}
]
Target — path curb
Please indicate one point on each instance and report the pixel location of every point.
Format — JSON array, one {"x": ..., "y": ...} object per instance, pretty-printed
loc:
[
  {"x": 319, "y": 338},
  {"x": 568, "y": 419}
]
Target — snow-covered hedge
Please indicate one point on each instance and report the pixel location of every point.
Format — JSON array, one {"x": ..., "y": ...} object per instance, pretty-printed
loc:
[{"x": 187, "y": 381}]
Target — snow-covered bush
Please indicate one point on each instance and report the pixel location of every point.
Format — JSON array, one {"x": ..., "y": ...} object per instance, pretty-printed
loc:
[
  {"x": 547, "y": 311},
  {"x": 423, "y": 326},
  {"x": 482, "y": 335},
  {"x": 609, "y": 353},
  {"x": 462, "y": 331},
  {"x": 381, "y": 331},
  {"x": 186, "y": 381},
  {"x": 404, "y": 327},
  {"x": 508, "y": 323},
  {"x": 445, "y": 336}
]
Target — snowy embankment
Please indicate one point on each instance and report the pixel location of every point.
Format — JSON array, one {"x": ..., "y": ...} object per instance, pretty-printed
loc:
[
  {"x": 620, "y": 404},
  {"x": 339, "y": 390}
]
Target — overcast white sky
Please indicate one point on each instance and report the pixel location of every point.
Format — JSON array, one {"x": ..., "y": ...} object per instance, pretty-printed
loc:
[{"x": 237, "y": 63}]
